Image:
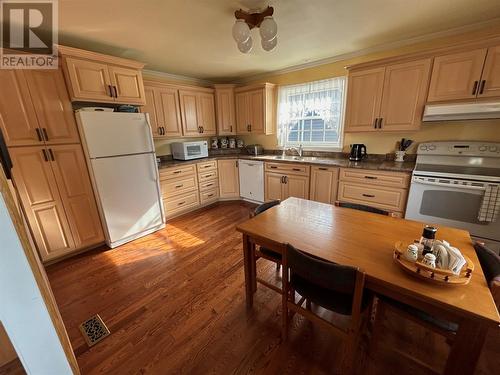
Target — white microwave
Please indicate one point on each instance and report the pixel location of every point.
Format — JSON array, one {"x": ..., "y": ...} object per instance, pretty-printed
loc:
[{"x": 189, "y": 150}]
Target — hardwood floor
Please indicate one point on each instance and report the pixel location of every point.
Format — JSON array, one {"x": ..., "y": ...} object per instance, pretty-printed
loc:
[{"x": 174, "y": 302}]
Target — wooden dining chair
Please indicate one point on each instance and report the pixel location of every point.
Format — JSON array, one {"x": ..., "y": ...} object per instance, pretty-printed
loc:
[
  {"x": 490, "y": 263},
  {"x": 332, "y": 286},
  {"x": 362, "y": 207},
  {"x": 265, "y": 253}
]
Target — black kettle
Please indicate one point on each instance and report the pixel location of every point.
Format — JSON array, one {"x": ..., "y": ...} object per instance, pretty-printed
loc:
[{"x": 358, "y": 152}]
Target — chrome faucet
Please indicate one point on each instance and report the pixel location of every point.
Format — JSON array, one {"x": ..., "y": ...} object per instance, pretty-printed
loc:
[{"x": 298, "y": 150}]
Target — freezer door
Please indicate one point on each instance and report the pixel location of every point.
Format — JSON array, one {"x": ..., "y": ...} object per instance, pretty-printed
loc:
[
  {"x": 114, "y": 133},
  {"x": 128, "y": 195}
]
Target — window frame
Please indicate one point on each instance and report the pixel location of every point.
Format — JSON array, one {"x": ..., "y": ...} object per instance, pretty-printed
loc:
[{"x": 313, "y": 146}]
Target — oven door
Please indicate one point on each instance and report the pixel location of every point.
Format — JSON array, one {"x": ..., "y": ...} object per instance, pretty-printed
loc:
[{"x": 450, "y": 202}]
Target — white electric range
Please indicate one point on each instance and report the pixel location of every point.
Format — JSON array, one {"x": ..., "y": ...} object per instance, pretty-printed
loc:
[{"x": 449, "y": 183}]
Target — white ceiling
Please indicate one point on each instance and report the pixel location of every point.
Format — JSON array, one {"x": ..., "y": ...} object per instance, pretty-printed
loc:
[{"x": 193, "y": 37}]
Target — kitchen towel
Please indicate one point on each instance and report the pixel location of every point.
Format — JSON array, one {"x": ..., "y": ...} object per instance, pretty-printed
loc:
[{"x": 490, "y": 206}]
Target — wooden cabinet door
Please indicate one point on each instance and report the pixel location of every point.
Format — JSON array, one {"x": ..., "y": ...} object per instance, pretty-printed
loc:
[
  {"x": 456, "y": 76},
  {"x": 490, "y": 84},
  {"x": 242, "y": 112},
  {"x": 229, "y": 180},
  {"x": 89, "y": 80},
  {"x": 206, "y": 116},
  {"x": 273, "y": 186},
  {"x": 129, "y": 88},
  {"x": 151, "y": 108},
  {"x": 18, "y": 119},
  {"x": 403, "y": 98},
  {"x": 73, "y": 181},
  {"x": 226, "y": 121},
  {"x": 324, "y": 182},
  {"x": 189, "y": 113},
  {"x": 36, "y": 183},
  {"x": 52, "y": 105},
  {"x": 256, "y": 111},
  {"x": 364, "y": 96},
  {"x": 296, "y": 186},
  {"x": 169, "y": 112}
]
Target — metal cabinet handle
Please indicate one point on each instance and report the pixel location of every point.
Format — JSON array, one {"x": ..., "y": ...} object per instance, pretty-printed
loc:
[
  {"x": 368, "y": 195},
  {"x": 51, "y": 155},
  {"x": 380, "y": 122},
  {"x": 202, "y": 129},
  {"x": 231, "y": 128},
  {"x": 44, "y": 131},
  {"x": 178, "y": 186},
  {"x": 207, "y": 185},
  {"x": 296, "y": 169},
  {"x": 323, "y": 169},
  {"x": 39, "y": 134},
  {"x": 181, "y": 203},
  {"x": 273, "y": 167},
  {"x": 371, "y": 177},
  {"x": 474, "y": 88},
  {"x": 375, "y": 123},
  {"x": 110, "y": 88},
  {"x": 286, "y": 179},
  {"x": 115, "y": 91},
  {"x": 45, "y": 155},
  {"x": 210, "y": 195},
  {"x": 481, "y": 87},
  {"x": 177, "y": 172}
]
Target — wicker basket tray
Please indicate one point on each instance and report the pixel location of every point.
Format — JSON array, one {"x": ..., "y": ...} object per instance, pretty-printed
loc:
[{"x": 435, "y": 275}]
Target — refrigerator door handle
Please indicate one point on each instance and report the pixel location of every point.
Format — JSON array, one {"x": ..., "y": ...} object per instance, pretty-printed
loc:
[{"x": 150, "y": 138}]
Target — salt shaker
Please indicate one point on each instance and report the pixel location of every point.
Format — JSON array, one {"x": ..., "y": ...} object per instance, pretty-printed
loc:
[
  {"x": 412, "y": 253},
  {"x": 429, "y": 260},
  {"x": 427, "y": 239}
]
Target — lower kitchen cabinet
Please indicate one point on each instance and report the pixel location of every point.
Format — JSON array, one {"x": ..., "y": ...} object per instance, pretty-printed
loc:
[
  {"x": 273, "y": 186},
  {"x": 229, "y": 181},
  {"x": 283, "y": 180},
  {"x": 382, "y": 189},
  {"x": 324, "y": 182},
  {"x": 56, "y": 193}
]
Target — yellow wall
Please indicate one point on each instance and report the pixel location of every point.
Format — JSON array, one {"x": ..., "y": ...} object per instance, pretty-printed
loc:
[{"x": 379, "y": 143}]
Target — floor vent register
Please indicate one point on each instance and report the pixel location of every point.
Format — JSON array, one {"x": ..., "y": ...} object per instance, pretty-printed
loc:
[{"x": 94, "y": 330}]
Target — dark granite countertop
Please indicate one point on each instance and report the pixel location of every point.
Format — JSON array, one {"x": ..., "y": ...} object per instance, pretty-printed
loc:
[{"x": 382, "y": 165}]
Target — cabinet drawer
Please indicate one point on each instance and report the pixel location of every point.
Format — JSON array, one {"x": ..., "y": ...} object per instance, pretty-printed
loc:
[
  {"x": 391, "y": 199},
  {"x": 208, "y": 185},
  {"x": 176, "y": 172},
  {"x": 209, "y": 196},
  {"x": 383, "y": 178},
  {"x": 173, "y": 187},
  {"x": 207, "y": 166},
  {"x": 181, "y": 203},
  {"x": 288, "y": 168},
  {"x": 207, "y": 176}
]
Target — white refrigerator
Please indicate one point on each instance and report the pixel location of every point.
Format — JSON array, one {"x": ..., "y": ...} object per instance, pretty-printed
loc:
[{"x": 122, "y": 162}]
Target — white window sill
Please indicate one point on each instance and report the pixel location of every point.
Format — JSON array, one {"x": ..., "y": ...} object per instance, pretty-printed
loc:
[{"x": 314, "y": 148}]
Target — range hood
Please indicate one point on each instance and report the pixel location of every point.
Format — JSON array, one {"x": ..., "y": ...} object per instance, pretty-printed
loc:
[{"x": 462, "y": 111}]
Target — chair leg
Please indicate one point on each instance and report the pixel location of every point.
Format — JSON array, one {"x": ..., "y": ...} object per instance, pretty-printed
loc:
[
  {"x": 350, "y": 346},
  {"x": 308, "y": 304},
  {"x": 278, "y": 266},
  {"x": 378, "y": 326}
]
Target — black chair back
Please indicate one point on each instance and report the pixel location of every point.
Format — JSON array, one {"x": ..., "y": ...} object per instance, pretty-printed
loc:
[
  {"x": 361, "y": 207},
  {"x": 331, "y": 276},
  {"x": 265, "y": 206},
  {"x": 490, "y": 261}
]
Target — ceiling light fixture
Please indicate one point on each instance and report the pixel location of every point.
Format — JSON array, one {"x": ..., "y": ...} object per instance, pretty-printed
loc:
[{"x": 245, "y": 21}]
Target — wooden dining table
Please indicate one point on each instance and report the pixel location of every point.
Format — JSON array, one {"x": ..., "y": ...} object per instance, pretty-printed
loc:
[{"x": 366, "y": 240}]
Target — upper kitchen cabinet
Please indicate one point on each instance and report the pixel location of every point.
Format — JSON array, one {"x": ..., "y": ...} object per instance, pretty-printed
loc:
[
  {"x": 197, "y": 112},
  {"x": 162, "y": 104},
  {"x": 456, "y": 76},
  {"x": 94, "y": 77},
  {"x": 255, "y": 109},
  {"x": 225, "y": 109},
  {"x": 387, "y": 98},
  {"x": 490, "y": 81},
  {"x": 466, "y": 75},
  {"x": 36, "y": 109}
]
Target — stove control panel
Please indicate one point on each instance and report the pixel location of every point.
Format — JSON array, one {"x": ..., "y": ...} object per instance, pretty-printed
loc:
[{"x": 484, "y": 149}]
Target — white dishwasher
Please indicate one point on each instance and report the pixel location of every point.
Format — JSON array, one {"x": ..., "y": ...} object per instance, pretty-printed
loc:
[{"x": 252, "y": 180}]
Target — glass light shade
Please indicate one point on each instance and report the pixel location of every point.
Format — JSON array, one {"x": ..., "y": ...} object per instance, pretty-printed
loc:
[
  {"x": 246, "y": 47},
  {"x": 241, "y": 31},
  {"x": 268, "y": 28},
  {"x": 269, "y": 45}
]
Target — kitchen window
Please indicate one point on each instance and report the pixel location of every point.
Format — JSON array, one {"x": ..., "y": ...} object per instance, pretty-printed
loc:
[{"x": 312, "y": 114}]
